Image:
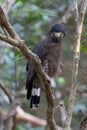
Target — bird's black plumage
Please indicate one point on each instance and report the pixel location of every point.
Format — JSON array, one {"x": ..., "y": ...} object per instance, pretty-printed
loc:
[{"x": 49, "y": 53}]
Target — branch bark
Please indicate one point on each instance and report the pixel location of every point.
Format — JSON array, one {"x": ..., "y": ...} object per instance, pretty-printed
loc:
[
  {"x": 79, "y": 18},
  {"x": 3, "y": 87},
  {"x": 25, "y": 117},
  {"x": 6, "y": 5},
  {"x": 15, "y": 40}
]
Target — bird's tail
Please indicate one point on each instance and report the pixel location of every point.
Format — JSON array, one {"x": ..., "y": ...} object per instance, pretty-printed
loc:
[
  {"x": 33, "y": 94},
  {"x": 35, "y": 98}
]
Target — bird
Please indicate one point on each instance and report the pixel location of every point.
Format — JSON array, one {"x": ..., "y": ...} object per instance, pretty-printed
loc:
[{"x": 49, "y": 53}]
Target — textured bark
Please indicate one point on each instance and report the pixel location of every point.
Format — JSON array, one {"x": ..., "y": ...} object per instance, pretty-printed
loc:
[{"x": 79, "y": 18}]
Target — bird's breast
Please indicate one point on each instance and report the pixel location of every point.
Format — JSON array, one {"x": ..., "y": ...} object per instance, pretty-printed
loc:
[{"x": 51, "y": 62}]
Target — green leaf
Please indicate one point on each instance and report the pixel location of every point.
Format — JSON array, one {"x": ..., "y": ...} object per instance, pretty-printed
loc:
[
  {"x": 83, "y": 48},
  {"x": 61, "y": 81},
  {"x": 19, "y": 127},
  {"x": 1, "y": 1},
  {"x": 47, "y": 12},
  {"x": 84, "y": 41},
  {"x": 17, "y": 53},
  {"x": 84, "y": 34}
]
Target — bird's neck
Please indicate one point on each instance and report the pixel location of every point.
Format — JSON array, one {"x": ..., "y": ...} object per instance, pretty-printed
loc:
[
  {"x": 54, "y": 42},
  {"x": 54, "y": 39},
  {"x": 53, "y": 46}
]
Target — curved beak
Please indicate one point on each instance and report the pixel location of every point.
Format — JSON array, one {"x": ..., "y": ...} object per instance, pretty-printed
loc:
[{"x": 58, "y": 34}]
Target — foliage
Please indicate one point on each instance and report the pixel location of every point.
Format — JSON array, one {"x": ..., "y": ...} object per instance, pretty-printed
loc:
[{"x": 83, "y": 45}]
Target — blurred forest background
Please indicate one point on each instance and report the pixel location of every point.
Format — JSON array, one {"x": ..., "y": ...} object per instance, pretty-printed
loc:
[{"x": 32, "y": 20}]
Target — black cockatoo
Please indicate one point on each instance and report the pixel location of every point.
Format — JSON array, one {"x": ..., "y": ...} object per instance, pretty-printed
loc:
[{"x": 49, "y": 53}]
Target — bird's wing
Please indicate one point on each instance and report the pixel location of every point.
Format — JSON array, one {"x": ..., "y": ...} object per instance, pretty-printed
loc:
[{"x": 39, "y": 50}]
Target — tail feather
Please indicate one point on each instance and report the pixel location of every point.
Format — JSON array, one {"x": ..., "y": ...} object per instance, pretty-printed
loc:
[
  {"x": 29, "y": 89},
  {"x": 35, "y": 98},
  {"x": 33, "y": 93}
]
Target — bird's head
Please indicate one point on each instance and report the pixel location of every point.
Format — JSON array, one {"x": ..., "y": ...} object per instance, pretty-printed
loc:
[{"x": 57, "y": 32}]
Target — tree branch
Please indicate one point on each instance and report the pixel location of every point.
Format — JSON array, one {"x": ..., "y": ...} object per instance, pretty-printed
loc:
[
  {"x": 76, "y": 56},
  {"x": 67, "y": 15},
  {"x": 5, "y": 24},
  {"x": 6, "y": 5},
  {"x": 23, "y": 116},
  {"x": 3, "y": 87},
  {"x": 10, "y": 40},
  {"x": 16, "y": 41},
  {"x": 6, "y": 120}
]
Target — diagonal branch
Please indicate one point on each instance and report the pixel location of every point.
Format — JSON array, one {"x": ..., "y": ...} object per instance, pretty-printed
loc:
[
  {"x": 23, "y": 116},
  {"x": 16, "y": 41},
  {"x": 3, "y": 87},
  {"x": 5, "y": 24},
  {"x": 8, "y": 39},
  {"x": 79, "y": 18}
]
